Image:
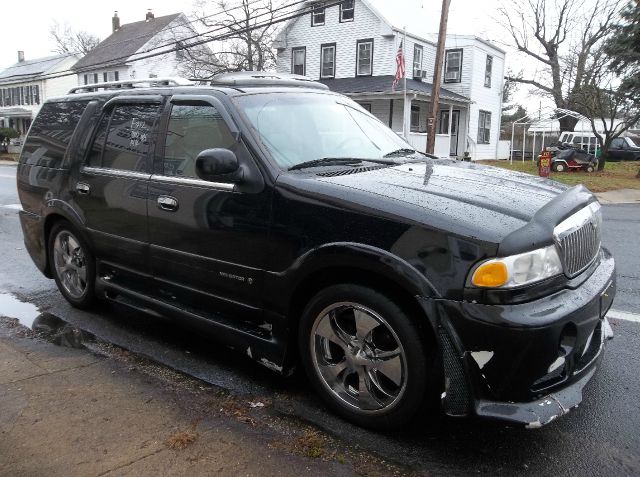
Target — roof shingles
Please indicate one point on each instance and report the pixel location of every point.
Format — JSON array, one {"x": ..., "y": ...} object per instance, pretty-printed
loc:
[{"x": 119, "y": 46}]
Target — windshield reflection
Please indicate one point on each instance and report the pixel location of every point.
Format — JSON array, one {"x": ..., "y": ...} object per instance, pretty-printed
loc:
[{"x": 302, "y": 127}]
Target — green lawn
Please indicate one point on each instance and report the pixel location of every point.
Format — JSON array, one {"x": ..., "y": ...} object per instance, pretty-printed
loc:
[{"x": 616, "y": 175}]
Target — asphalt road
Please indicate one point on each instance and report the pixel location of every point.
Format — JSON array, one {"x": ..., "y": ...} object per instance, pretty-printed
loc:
[{"x": 599, "y": 438}]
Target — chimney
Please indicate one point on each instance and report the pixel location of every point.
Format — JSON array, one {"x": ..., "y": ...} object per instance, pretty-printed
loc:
[
  {"x": 115, "y": 22},
  {"x": 149, "y": 16},
  {"x": 20, "y": 56}
]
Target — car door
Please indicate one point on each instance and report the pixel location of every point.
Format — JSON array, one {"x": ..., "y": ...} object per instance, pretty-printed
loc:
[
  {"x": 112, "y": 185},
  {"x": 207, "y": 239},
  {"x": 617, "y": 150}
]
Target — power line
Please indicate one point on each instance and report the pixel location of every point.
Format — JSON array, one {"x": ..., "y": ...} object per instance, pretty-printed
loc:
[
  {"x": 195, "y": 20},
  {"x": 228, "y": 35}
]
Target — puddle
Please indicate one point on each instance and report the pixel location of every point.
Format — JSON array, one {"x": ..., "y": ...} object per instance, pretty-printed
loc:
[
  {"x": 11, "y": 307},
  {"x": 45, "y": 325},
  {"x": 59, "y": 332}
]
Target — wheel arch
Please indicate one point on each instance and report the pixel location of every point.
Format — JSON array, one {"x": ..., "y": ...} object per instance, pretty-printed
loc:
[{"x": 59, "y": 211}]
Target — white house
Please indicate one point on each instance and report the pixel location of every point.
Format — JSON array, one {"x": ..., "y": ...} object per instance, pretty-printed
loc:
[
  {"x": 125, "y": 54},
  {"x": 352, "y": 48},
  {"x": 28, "y": 83}
]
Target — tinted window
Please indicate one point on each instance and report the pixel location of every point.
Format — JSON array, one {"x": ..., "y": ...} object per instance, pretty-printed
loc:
[
  {"x": 94, "y": 158},
  {"x": 617, "y": 143},
  {"x": 51, "y": 132},
  {"x": 192, "y": 129},
  {"x": 129, "y": 135}
]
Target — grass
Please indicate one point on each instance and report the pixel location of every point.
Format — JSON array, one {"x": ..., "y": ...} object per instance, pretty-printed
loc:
[{"x": 616, "y": 175}]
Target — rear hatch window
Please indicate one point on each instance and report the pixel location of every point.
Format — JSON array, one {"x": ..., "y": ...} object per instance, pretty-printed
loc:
[{"x": 51, "y": 132}]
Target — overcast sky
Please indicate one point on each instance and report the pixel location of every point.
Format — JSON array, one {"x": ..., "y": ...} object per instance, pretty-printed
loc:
[{"x": 27, "y": 28}]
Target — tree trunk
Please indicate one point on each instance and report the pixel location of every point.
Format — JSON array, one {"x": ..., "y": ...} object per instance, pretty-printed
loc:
[
  {"x": 604, "y": 153},
  {"x": 568, "y": 123}
]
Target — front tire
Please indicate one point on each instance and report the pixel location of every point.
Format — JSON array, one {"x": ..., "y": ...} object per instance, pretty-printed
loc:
[
  {"x": 72, "y": 265},
  {"x": 559, "y": 167},
  {"x": 365, "y": 356}
]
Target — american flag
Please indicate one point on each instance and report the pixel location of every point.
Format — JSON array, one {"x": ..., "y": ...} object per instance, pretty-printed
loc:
[{"x": 399, "y": 66}]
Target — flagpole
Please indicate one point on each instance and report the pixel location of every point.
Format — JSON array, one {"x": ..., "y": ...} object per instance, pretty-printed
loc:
[{"x": 404, "y": 104}]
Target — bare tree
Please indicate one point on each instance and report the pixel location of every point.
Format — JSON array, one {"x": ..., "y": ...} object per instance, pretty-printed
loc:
[
  {"x": 69, "y": 41},
  {"x": 560, "y": 36},
  {"x": 249, "y": 35}
]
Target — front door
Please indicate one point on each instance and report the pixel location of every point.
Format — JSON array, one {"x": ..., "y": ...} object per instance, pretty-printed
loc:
[
  {"x": 111, "y": 186},
  {"x": 207, "y": 239},
  {"x": 455, "y": 124}
]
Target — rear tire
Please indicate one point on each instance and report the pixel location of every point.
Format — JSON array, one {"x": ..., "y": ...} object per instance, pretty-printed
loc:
[
  {"x": 589, "y": 169},
  {"x": 559, "y": 167},
  {"x": 72, "y": 265},
  {"x": 366, "y": 357}
]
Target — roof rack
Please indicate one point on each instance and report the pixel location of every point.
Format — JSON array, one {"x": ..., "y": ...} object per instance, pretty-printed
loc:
[
  {"x": 264, "y": 78},
  {"x": 130, "y": 84}
]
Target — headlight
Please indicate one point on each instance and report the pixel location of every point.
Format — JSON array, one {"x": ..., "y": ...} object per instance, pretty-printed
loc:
[{"x": 518, "y": 270}]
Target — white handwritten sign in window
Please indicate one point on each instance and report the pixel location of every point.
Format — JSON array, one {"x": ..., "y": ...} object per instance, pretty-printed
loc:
[{"x": 139, "y": 133}]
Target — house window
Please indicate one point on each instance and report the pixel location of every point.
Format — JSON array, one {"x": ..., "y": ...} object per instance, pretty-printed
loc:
[
  {"x": 346, "y": 11},
  {"x": 317, "y": 15},
  {"x": 417, "y": 59},
  {"x": 366, "y": 106},
  {"x": 86, "y": 79},
  {"x": 36, "y": 95},
  {"x": 453, "y": 66},
  {"x": 104, "y": 77},
  {"x": 364, "y": 57},
  {"x": 487, "y": 71},
  {"x": 298, "y": 60},
  {"x": 328, "y": 60},
  {"x": 95, "y": 77},
  {"x": 415, "y": 118},
  {"x": 180, "y": 50},
  {"x": 484, "y": 127}
]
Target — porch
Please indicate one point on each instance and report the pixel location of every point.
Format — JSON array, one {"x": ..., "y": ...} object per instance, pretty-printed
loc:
[{"x": 391, "y": 107}]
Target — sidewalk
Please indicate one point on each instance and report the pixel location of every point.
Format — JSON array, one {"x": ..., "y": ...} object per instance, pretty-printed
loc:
[
  {"x": 69, "y": 412},
  {"x": 4, "y": 162},
  {"x": 622, "y": 196}
]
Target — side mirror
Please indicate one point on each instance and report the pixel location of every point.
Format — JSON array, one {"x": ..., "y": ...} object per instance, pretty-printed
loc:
[{"x": 218, "y": 165}]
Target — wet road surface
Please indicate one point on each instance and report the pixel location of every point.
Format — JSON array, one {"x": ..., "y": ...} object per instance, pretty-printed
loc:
[{"x": 598, "y": 438}]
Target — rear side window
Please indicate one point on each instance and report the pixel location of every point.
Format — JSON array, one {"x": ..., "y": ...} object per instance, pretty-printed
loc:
[
  {"x": 123, "y": 138},
  {"x": 51, "y": 132}
]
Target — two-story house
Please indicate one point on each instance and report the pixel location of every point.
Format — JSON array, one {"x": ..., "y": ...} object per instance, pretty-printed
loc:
[
  {"x": 352, "y": 48},
  {"x": 130, "y": 51},
  {"x": 25, "y": 85}
]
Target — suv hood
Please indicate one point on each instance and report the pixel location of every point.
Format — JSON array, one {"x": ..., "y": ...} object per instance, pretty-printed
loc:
[{"x": 481, "y": 202}]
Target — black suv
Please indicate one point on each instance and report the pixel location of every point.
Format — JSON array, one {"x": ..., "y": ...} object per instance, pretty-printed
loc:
[{"x": 293, "y": 226}]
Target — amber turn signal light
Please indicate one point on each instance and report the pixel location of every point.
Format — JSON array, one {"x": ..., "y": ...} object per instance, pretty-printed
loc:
[{"x": 491, "y": 274}]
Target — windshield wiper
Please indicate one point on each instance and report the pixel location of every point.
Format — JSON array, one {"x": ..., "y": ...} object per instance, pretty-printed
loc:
[
  {"x": 326, "y": 161},
  {"x": 400, "y": 152}
]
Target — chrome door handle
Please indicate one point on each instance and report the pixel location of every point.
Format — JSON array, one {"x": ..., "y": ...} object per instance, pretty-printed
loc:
[
  {"x": 169, "y": 203},
  {"x": 83, "y": 188}
]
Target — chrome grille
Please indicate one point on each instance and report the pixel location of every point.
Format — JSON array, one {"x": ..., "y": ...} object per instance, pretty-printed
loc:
[{"x": 578, "y": 238}]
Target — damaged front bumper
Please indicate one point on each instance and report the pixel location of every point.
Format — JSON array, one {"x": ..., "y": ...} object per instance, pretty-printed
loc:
[{"x": 527, "y": 363}]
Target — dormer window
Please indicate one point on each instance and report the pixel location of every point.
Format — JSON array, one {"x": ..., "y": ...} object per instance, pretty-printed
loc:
[
  {"x": 346, "y": 11},
  {"x": 453, "y": 66},
  {"x": 317, "y": 15},
  {"x": 417, "y": 59}
]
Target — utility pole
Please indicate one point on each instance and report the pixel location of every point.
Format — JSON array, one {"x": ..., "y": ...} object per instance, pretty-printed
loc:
[{"x": 437, "y": 78}]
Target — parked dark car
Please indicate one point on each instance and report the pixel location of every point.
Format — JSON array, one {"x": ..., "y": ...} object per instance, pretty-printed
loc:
[
  {"x": 623, "y": 149},
  {"x": 291, "y": 225}
]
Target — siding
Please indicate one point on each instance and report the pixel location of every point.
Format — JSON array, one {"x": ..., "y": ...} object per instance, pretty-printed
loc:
[{"x": 365, "y": 25}]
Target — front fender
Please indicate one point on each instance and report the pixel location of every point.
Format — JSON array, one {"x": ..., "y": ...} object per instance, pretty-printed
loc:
[{"x": 280, "y": 287}]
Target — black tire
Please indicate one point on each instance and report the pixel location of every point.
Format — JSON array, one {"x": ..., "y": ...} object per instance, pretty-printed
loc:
[
  {"x": 87, "y": 298},
  {"x": 558, "y": 167},
  {"x": 418, "y": 358},
  {"x": 589, "y": 169}
]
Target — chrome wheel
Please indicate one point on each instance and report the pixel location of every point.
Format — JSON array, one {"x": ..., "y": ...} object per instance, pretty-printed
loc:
[
  {"x": 70, "y": 264},
  {"x": 358, "y": 357}
]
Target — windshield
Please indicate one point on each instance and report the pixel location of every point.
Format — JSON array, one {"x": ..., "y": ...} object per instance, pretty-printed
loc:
[{"x": 302, "y": 127}]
